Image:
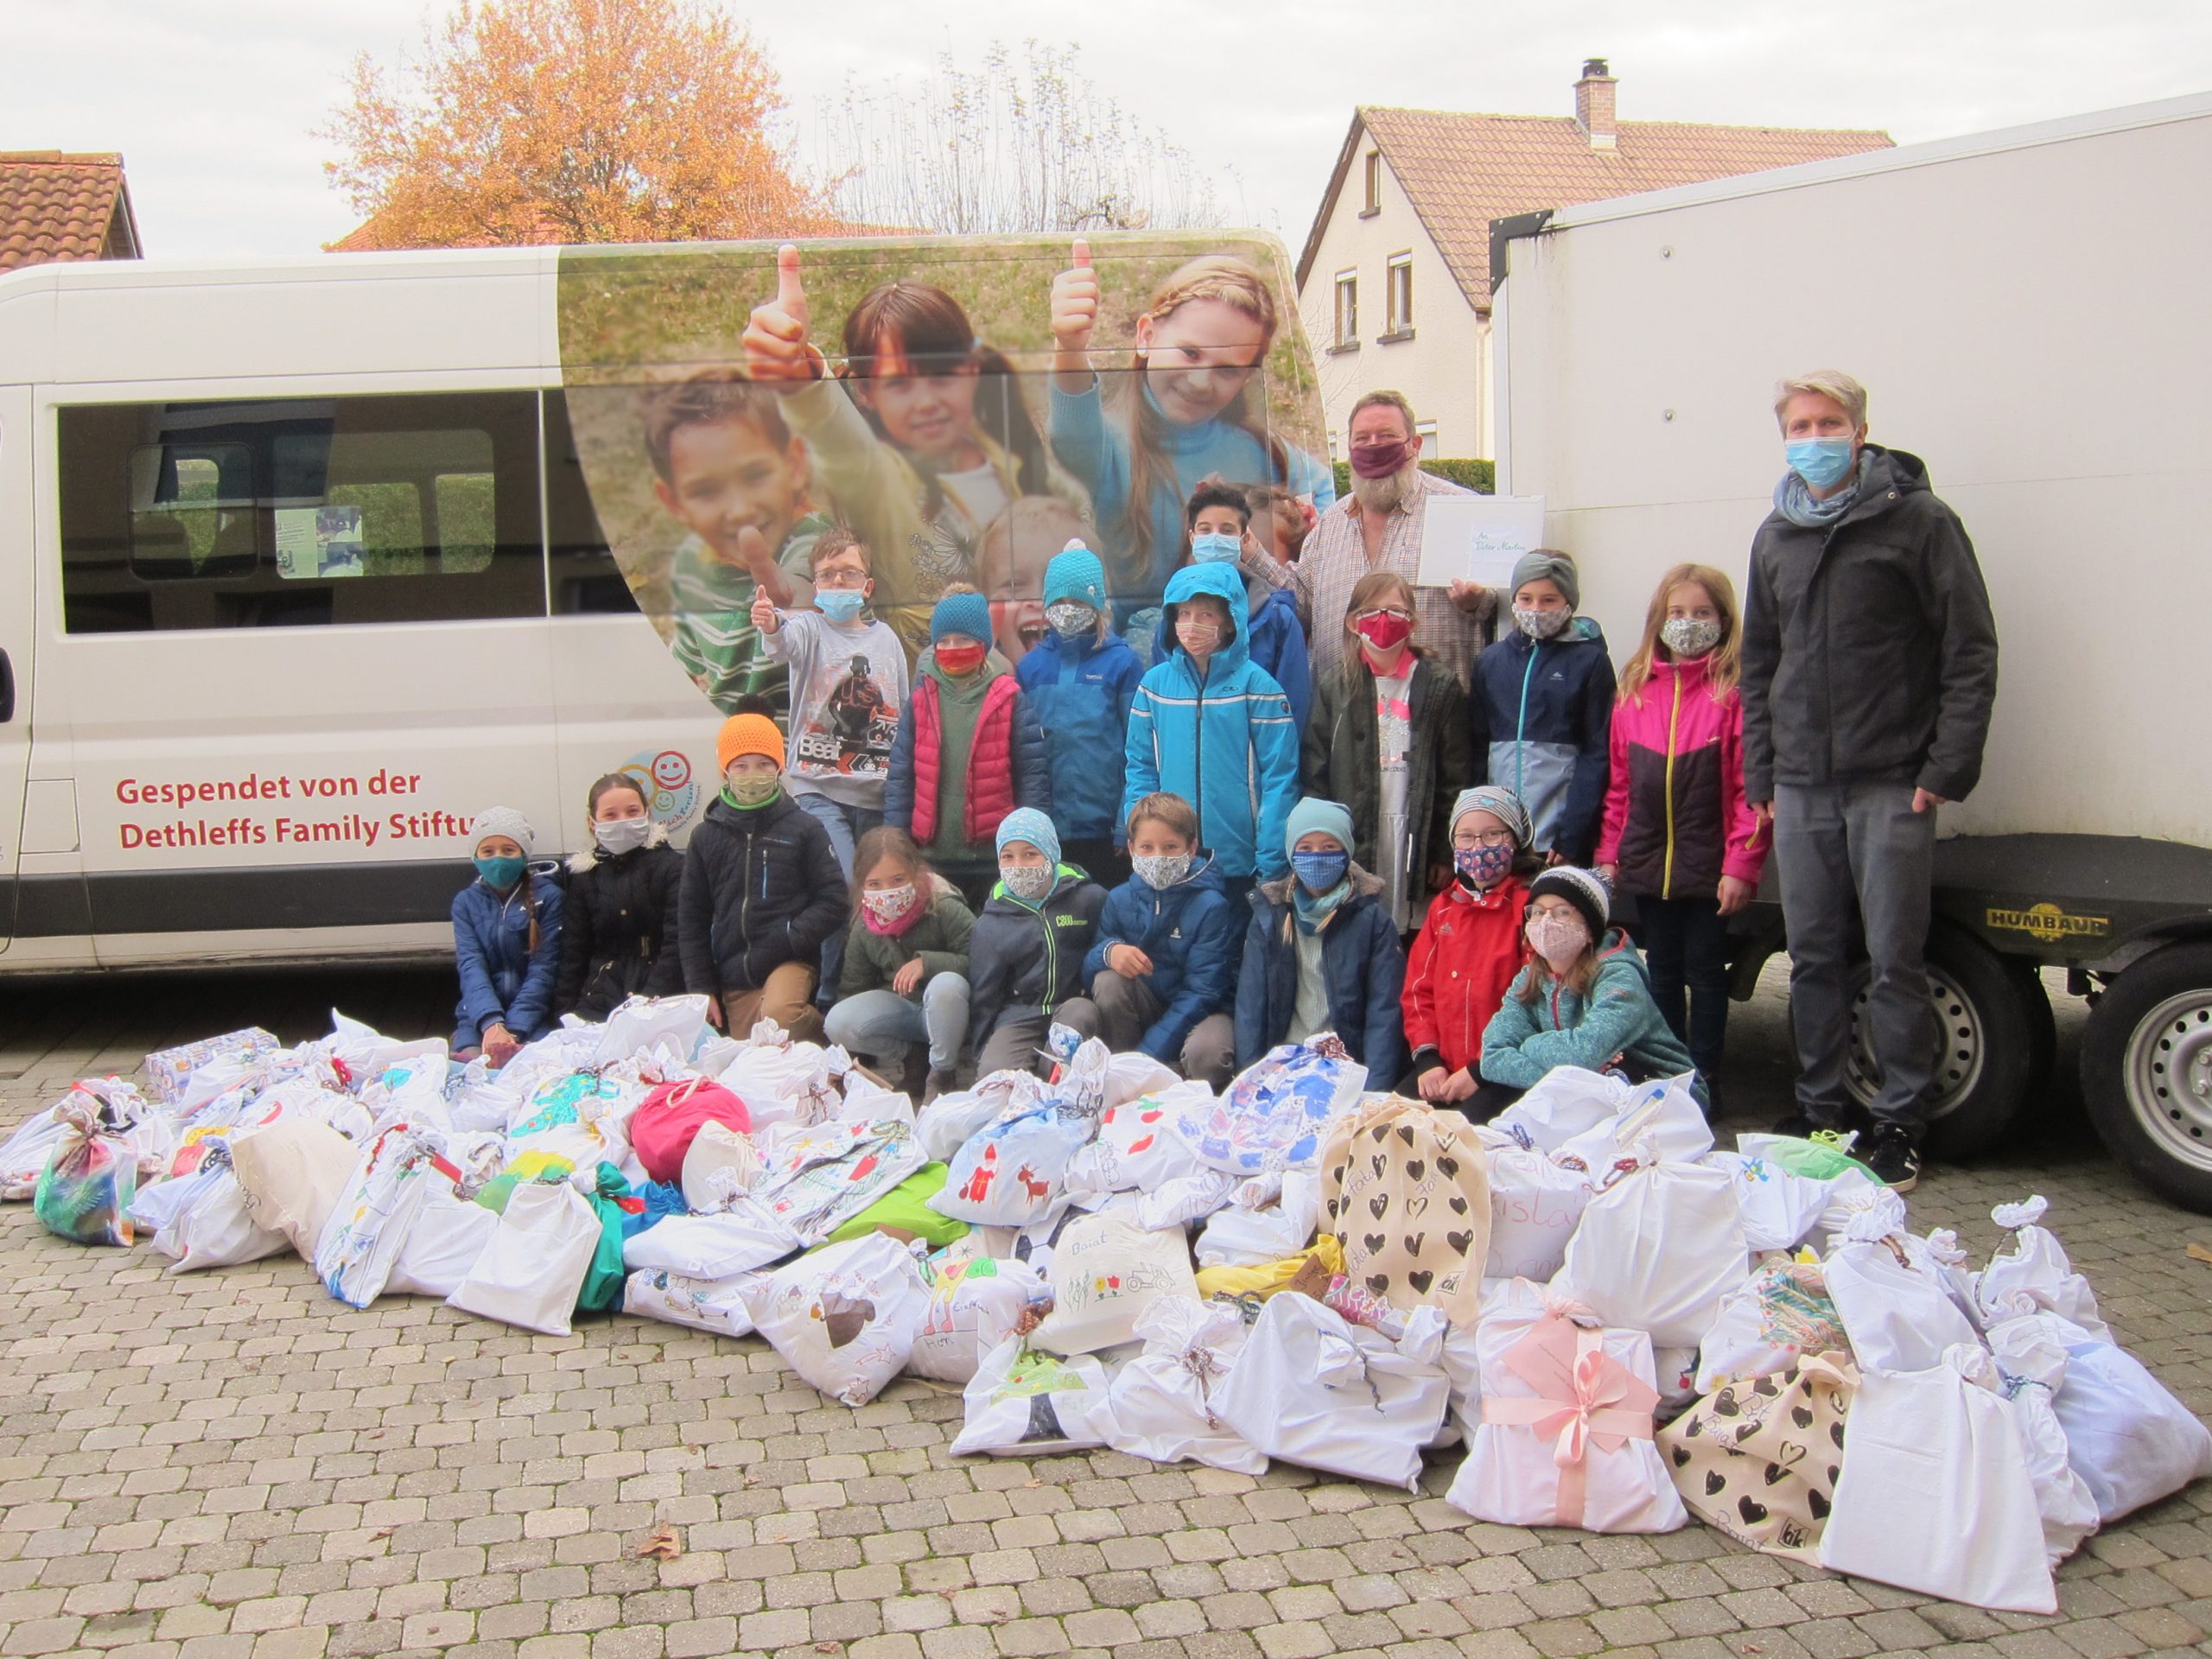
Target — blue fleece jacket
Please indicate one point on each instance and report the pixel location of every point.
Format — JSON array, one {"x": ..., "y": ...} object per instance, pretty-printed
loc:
[
  {"x": 503, "y": 982},
  {"x": 1080, "y": 691},
  {"x": 1524, "y": 1041},
  {"x": 1192, "y": 932},
  {"x": 1223, "y": 738},
  {"x": 1541, "y": 712}
]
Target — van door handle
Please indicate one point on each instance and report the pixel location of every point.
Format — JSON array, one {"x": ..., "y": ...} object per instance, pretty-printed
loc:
[{"x": 7, "y": 690}]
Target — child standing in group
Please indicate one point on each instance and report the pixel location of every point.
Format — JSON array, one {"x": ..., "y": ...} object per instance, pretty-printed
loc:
[
  {"x": 1191, "y": 408},
  {"x": 1541, "y": 709},
  {"x": 506, "y": 942},
  {"x": 1209, "y": 725},
  {"x": 1471, "y": 946},
  {"x": 1216, "y": 520},
  {"x": 728, "y": 469},
  {"x": 1320, "y": 953},
  {"x": 1679, "y": 834},
  {"x": 617, "y": 920},
  {"x": 969, "y": 749},
  {"x": 1163, "y": 972},
  {"x": 904, "y": 989},
  {"x": 1388, "y": 738},
  {"x": 1081, "y": 680},
  {"x": 1025, "y": 956},
  {"x": 1582, "y": 1000},
  {"x": 761, "y": 891}
]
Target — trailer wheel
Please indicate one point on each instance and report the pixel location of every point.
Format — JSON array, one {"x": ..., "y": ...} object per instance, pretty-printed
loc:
[
  {"x": 2146, "y": 1072},
  {"x": 1993, "y": 1023}
]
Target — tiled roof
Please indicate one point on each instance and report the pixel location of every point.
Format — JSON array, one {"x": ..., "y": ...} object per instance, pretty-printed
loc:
[
  {"x": 57, "y": 207},
  {"x": 1462, "y": 171}
]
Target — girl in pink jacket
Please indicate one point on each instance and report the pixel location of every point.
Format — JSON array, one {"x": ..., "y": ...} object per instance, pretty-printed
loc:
[{"x": 1679, "y": 834}]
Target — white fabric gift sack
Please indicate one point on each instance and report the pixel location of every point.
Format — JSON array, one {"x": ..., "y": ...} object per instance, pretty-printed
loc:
[
  {"x": 1138, "y": 1148},
  {"x": 1934, "y": 1494},
  {"x": 1890, "y": 1290},
  {"x": 1660, "y": 1249},
  {"x": 578, "y": 1115},
  {"x": 1779, "y": 1209},
  {"x": 975, "y": 1304},
  {"x": 2035, "y": 1276},
  {"x": 363, "y": 1239},
  {"x": 2032, "y": 1368},
  {"x": 531, "y": 1271},
  {"x": 1023, "y": 1403},
  {"x": 643, "y": 1023},
  {"x": 214, "y": 1228},
  {"x": 1106, "y": 1271},
  {"x": 713, "y": 1305},
  {"x": 1312, "y": 1388},
  {"x": 27, "y": 1153},
  {"x": 293, "y": 1174},
  {"x": 721, "y": 1165},
  {"x": 1269, "y": 1217},
  {"x": 740, "y": 1238},
  {"x": 1564, "y": 1423},
  {"x": 1566, "y": 1102},
  {"x": 784, "y": 1083},
  {"x": 1535, "y": 1207},
  {"x": 1131, "y": 1076},
  {"x": 450, "y": 1233},
  {"x": 1277, "y": 1113},
  {"x": 948, "y": 1122},
  {"x": 845, "y": 1317},
  {"x": 1662, "y": 1122},
  {"x": 1163, "y": 1400}
]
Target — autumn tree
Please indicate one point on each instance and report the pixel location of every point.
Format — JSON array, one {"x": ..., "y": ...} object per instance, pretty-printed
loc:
[
  {"x": 1012, "y": 146},
  {"x": 573, "y": 121}
]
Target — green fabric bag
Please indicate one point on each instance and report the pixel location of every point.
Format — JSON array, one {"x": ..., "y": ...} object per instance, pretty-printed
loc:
[
  {"x": 604, "y": 1279},
  {"x": 531, "y": 1167},
  {"x": 907, "y": 1207},
  {"x": 1820, "y": 1159}
]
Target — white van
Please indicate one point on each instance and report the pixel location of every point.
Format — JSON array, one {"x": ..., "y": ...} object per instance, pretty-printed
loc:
[{"x": 297, "y": 572}]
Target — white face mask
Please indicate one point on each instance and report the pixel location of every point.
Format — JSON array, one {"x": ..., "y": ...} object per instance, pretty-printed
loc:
[
  {"x": 1690, "y": 635},
  {"x": 618, "y": 836},
  {"x": 1558, "y": 939}
]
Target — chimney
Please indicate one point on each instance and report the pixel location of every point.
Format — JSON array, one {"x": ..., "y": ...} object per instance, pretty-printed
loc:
[{"x": 1593, "y": 102}]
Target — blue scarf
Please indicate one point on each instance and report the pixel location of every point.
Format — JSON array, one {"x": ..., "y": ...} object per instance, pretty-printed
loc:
[
  {"x": 1313, "y": 910},
  {"x": 1793, "y": 498}
]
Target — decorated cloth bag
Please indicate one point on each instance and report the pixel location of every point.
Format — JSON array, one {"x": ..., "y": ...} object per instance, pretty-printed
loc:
[
  {"x": 532, "y": 1269},
  {"x": 366, "y": 1232},
  {"x": 169, "y": 1070},
  {"x": 1760, "y": 1459},
  {"x": 975, "y": 1303},
  {"x": 1139, "y": 1148},
  {"x": 641, "y": 1024},
  {"x": 1780, "y": 1208},
  {"x": 1104, "y": 1273},
  {"x": 1662, "y": 1122},
  {"x": 738, "y": 1239},
  {"x": 1536, "y": 1205},
  {"x": 85, "y": 1190},
  {"x": 214, "y": 1228},
  {"x": 821, "y": 1176},
  {"x": 711, "y": 1305},
  {"x": 1267, "y": 1218},
  {"x": 577, "y": 1115},
  {"x": 1660, "y": 1248},
  {"x": 1163, "y": 1400},
  {"x": 1565, "y": 1103},
  {"x": 948, "y": 1122},
  {"x": 1565, "y": 1434},
  {"x": 1778, "y": 1316},
  {"x": 1013, "y": 1171},
  {"x": 1024, "y": 1402},
  {"x": 845, "y": 1317},
  {"x": 1406, "y": 1189},
  {"x": 1277, "y": 1111},
  {"x": 27, "y": 1152}
]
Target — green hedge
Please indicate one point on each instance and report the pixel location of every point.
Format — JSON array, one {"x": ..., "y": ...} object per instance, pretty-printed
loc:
[{"x": 1480, "y": 476}]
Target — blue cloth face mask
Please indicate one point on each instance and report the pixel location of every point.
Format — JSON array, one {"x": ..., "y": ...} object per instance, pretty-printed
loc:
[
  {"x": 1822, "y": 462},
  {"x": 1482, "y": 866},
  {"x": 1215, "y": 548},
  {"x": 839, "y": 604},
  {"x": 501, "y": 873},
  {"x": 1319, "y": 872}
]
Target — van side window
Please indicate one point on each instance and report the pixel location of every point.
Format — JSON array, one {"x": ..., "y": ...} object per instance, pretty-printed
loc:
[
  {"x": 300, "y": 511},
  {"x": 583, "y": 577}
]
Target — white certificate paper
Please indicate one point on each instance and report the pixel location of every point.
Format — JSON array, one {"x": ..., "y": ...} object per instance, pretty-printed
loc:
[{"x": 1478, "y": 538}]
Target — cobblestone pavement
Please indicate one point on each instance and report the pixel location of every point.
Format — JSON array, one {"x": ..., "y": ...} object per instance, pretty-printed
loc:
[{"x": 232, "y": 1463}]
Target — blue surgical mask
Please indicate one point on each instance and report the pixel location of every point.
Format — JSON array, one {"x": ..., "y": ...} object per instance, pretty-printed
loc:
[
  {"x": 1822, "y": 462},
  {"x": 499, "y": 874},
  {"x": 1215, "y": 548},
  {"x": 839, "y": 604},
  {"x": 1319, "y": 872}
]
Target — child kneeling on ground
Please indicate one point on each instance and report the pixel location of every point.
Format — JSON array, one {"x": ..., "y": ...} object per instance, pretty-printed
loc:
[
  {"x": 1471, "y": 946},
  {"x": 1582, "y": 1000},
  {"x": 506, "y": 942},
  {"x": 1162, "y": 974},
  {"x": 1026, "y": 955},
  {"x": 904, "y": 982},
  {"x": 1321, "y": 953}
]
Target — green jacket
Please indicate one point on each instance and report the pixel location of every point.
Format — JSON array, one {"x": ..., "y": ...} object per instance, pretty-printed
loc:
[{"x": 940, "y": 938}]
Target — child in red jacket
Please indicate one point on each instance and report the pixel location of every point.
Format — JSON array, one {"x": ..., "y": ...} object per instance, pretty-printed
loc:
[
  {"x": 1679, "y": 834},
  {"x": 1469, "y": 946}
]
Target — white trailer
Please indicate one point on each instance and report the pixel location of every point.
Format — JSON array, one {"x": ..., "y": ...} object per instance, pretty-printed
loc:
[{"x": 2027, "y": 309}]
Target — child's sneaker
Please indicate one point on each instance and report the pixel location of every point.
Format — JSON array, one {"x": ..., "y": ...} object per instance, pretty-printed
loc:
[{"x": 1893, "y": 1158}]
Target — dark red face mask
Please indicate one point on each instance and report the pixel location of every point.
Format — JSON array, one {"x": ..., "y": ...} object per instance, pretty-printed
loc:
[{"x": 1380, "y": 460}]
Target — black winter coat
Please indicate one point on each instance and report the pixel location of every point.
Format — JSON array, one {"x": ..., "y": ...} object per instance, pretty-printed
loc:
[
  {"x": 1021, "y": 957},
  {"x": 1870, "y": 655},
  {"x": 618, "y": 928},
  {"x": 1339, "y": 763},
  {"x": 761, "y": 887}
]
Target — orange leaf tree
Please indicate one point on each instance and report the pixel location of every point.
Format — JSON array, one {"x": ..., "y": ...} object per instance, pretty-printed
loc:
[{"x": 574, "y": 121}]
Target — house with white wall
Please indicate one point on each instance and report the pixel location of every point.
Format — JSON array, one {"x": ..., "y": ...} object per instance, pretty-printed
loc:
[{"x": 1393, "y": 280}]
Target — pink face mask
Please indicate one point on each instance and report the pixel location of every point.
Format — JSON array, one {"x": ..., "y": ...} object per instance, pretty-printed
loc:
[{"x": 1558, "y": 939}]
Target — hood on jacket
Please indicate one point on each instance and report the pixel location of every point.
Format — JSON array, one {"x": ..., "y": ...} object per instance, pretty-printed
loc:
[
  {"x": 1224, "y": 583},
  {"x": 1364, "y": 885},
  {"x": 586, "y": 858}
]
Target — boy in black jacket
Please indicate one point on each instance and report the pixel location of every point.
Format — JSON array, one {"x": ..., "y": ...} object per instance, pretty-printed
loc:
[
  {"x": 761, "y": 892},
  {"x": 1025, "y": 958}
]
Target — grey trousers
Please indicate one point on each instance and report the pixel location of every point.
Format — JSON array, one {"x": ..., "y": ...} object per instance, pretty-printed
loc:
[
  {"x": 1015, "y": 1042},
  {"x": 1126, "y": 1008},
  {"x": 1838, "y": 846}
]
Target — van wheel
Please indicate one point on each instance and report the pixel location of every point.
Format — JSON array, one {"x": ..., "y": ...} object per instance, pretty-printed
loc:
[
  {"x": 2146, "y": 1072},
  {"x": 1994, "y": 1025}
]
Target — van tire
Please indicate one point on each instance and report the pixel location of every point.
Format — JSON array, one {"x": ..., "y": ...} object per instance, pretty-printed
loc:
[
  {"x": 1997, "y": 1037},
  {"x": 2146, "y": 1054}
]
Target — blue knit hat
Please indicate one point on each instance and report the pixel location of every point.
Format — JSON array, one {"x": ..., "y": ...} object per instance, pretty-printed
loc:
[
  {"x": 968, "y": 614},
  {"x": 1027, "y": 823},
  {"x": 1075, "y": 573},
  {"x": 1313, "y": 813}
]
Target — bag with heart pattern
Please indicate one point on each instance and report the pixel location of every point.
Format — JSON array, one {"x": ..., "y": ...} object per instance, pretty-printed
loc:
[
  {"x": 1406, "y": 1190},
  {"x": 1760, "y": 1459}
]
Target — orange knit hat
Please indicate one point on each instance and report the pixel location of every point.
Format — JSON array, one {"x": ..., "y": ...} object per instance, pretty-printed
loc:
[{"x": 748, "y": 734}]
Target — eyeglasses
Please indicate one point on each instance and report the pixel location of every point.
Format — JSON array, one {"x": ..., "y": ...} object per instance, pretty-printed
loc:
[
  {"x": 1482, "y": 838},
  {"x": 1386, "y": 610}
]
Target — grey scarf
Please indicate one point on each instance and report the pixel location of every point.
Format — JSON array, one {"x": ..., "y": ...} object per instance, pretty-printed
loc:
[{"x": 1793, "y": 498}]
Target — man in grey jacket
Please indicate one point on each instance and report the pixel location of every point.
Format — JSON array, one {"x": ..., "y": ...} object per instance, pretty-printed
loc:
[{"x": 1869, "y": 667}]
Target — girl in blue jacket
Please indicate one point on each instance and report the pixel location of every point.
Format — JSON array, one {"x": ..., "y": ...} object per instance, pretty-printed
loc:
[
  {"x": 506, "y": 942},
  {"x": 1541, "y": 710},
  {"x": 1080, "y": 681},
  {"x": 1322, "y": 954},
  {"x": 1210, "y": 725}
]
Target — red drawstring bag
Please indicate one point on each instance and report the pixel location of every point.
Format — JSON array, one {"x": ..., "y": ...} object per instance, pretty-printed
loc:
[{"x": 666, "y": 1122}]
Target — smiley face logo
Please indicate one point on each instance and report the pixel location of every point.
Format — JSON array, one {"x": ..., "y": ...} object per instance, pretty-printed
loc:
[{"x": 666, "y": 780}]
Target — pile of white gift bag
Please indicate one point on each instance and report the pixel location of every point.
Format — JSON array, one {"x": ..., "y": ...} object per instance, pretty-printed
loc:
[{"x": 1585, "y": 1314}]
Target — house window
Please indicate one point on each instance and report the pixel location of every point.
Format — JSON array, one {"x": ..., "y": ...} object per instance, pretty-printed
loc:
[
  {"x": 1425, "y": 432},
  {"x": 1398, "y": 293},
  {"x": 1374, "y": 184},
  {"x": 1347, "y": 310}
]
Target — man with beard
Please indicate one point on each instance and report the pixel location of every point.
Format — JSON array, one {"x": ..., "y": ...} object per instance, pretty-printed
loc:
[{"x": 1378, "y": 527}]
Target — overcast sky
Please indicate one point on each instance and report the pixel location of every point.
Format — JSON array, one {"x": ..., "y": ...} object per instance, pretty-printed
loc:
[{"x": 214, "y": 105}]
